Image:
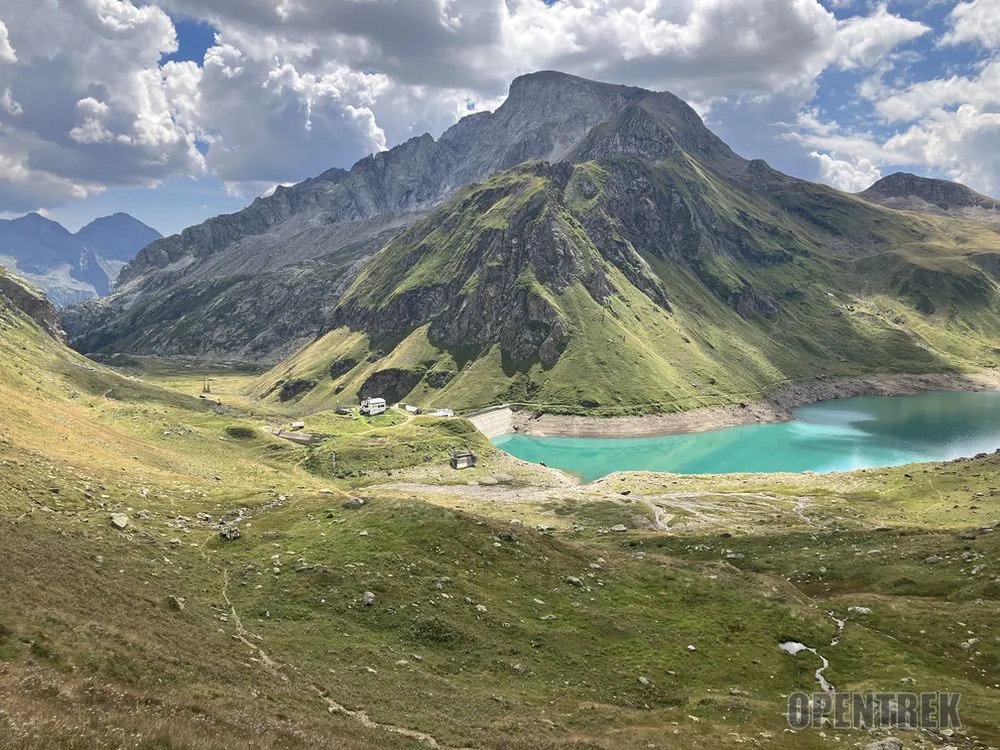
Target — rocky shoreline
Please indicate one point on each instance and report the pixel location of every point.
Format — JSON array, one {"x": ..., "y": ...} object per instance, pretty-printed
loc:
[{"x": 776, "y": 407}]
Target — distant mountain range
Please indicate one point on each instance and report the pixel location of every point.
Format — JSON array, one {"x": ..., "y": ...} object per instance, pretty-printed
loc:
[{"x": 71, "y": 267}]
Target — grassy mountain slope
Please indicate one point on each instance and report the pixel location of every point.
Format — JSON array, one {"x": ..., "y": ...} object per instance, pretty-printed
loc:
[
  {"x": 651, "y": 280},
  {"x": 516, "y": 637}
]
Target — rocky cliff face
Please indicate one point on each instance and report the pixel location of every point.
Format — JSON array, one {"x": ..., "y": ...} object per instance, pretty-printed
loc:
[{"x": 17, "y": 295}]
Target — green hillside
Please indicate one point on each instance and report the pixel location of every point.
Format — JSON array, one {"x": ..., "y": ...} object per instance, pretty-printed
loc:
[
  {"x": 505, "y": 614},
  {"x": 634, "y": 285}
]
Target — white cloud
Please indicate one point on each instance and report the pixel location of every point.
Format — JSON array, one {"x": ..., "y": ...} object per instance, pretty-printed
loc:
[
  {"x": 925, "y": 97},
  {"x": 974, "y": 21},
  {"x": 862, "y": 41},
  {"x": 7, "y": 53},
  {"x": 267, "y": 120},
  {"x": 86, "y": 103},
  {"x": 852, "y": 176}
]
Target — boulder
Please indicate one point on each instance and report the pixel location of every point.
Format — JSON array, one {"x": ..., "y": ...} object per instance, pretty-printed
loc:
[{"x": 229, "y": 533}]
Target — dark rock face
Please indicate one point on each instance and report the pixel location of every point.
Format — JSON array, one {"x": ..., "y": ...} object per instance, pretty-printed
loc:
[
  {"x": 392, "y": 384},
  {"x": 30, "y": 302},
  {"x": 341, "y": 367},
  {"x": 486, "y": 301},
  {"x": 440, "y": 378},
  {"x": 292, "y": 389}
]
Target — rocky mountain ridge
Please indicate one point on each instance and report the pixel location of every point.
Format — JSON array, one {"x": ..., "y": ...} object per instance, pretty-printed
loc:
[
  {"x": 638, "y": 263},
  {"x": 927, "y": 195},
  {"x": 325, "y": 225}
]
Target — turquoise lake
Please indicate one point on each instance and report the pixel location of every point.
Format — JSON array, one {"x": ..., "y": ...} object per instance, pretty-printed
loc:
[{"x": 840, "y": 435}]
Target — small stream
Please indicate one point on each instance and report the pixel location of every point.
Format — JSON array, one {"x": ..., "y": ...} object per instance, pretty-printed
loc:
[{"x": 794, "y": 647}]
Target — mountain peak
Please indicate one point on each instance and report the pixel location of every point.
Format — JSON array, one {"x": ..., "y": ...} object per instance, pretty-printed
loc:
[
  {"x": 118, "y": 220},
  {"x": 902, "y": 186},
  {"x": 36, "y": 220},
  {"x": 557, "y": 79}
]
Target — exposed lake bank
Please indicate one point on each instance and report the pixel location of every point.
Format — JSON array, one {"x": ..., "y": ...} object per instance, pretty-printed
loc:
[
  {"x": 833, "y": 435},
  {"x": 776, "y": 407}
]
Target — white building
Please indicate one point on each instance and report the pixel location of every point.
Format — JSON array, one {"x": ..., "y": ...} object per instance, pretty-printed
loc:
[{"x": 372, "y": 406}]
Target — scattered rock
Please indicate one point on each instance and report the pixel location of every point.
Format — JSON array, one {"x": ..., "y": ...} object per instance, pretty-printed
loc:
[
  {"x": 889, "y": 743},
  {"x": 481, "y": 609},
  {"x": 229, "y": 533},
  {"x": 326, "y": 492},
  {"x": 692, "y": 648},
  {"x": 119, "y": 520},
  {"x": 644, "y": 681},
  {"x": 932, "y": 560},
  {"x": 574, "y": 581},
  {"x": 859, "y": 610},
  {"x": 175, "y": 603},
  {"x": 368, "y": 598},
  {"x": 619, "y": 528},
  {"x": 354, "y": 503}
]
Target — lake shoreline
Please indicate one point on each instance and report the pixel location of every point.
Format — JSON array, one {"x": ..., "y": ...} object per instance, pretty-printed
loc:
[{"x": 775, "y": 408}]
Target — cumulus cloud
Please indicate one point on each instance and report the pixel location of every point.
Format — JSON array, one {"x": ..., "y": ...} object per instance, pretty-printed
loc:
[
  {"x": 267, "y": 120},
  {"x": 852, "y": 176},
  {"x": 974, "y": 21},
  {"x": 7, "y": 53},
  {"x": 864, "y": 40},
  {"x": 86, "y": 104}
]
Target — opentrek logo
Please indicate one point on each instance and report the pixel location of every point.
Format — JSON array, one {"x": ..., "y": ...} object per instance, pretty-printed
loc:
[{"x": 874, "y": 710}]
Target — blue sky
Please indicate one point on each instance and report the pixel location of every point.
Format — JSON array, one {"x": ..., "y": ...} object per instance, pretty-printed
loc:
[{"x": 177, "y": 110}]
